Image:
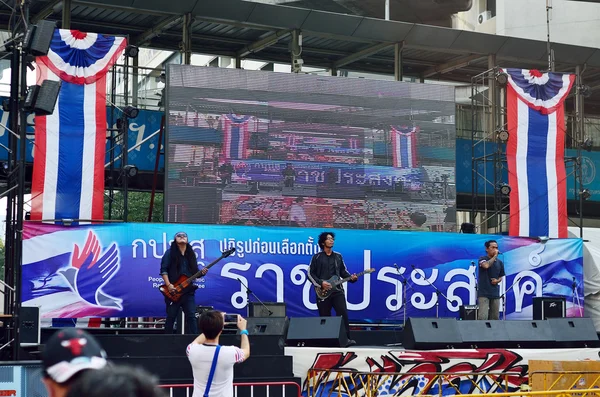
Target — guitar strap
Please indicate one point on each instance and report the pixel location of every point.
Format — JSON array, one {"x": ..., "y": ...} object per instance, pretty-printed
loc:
[{"x": 213, "y": 367}]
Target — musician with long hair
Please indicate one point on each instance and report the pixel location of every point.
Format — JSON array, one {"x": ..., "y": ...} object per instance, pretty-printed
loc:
[
  {"x": 323, "y": 266},
  {"x": 179, "y": 260}
]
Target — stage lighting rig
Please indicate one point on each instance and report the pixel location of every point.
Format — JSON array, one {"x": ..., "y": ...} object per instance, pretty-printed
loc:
[
  {"x": 132, "y": 51},
  {"x": 585, "y": 194},
  {"x": 587, "y": 144},
  {"x": 130, "y": 170},
  {"x": 504, "y": 189},
  {"x": 502, "y": 134},
  {"x": 502, "y": 78}
]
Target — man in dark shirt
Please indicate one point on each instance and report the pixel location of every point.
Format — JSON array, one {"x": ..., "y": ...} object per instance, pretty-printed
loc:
[
  {"x": 323, "y": 266},
  {"x": 180, "y": 260},
  {"x": 491, "y": 271}
]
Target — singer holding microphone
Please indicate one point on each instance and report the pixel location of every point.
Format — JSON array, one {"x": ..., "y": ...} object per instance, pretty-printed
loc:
[{"x": 491, "y": 271}]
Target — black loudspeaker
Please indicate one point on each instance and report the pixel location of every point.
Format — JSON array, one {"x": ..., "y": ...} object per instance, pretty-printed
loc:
[
  {"x": 267, "y": 325},
  {"x": 525, "y": 333},
  {"x": 38, "y": 37},
  {"x": 317, "y": 332},
  {"x": 544, "y": 308},
  {"x": 431, "y": 333},
  {"x": 573, "y": 332},
  {"x": 483, "y": 333},
  {"x": 46, "y": 98},
  {"x": 468, "y": 312},
  {"x": 277, "y": 309},
  {"x": 30, "y": 325}
]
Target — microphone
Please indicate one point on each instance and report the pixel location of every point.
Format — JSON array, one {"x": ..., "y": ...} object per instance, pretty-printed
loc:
[
  {"x": 472, "y": 262},
  {"x": 396, "y": 266}
]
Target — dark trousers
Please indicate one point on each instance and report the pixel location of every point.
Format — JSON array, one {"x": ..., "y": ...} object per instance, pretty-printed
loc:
[
  {"x": 336, "y": 301},
  {"x": 188, "y": 304}
]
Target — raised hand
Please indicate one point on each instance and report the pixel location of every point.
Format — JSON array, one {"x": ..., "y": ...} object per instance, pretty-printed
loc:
[{"x": 94, "y": 275}]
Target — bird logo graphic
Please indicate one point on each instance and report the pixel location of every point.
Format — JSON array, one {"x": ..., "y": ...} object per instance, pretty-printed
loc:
[{"x": 91, "y": 270}]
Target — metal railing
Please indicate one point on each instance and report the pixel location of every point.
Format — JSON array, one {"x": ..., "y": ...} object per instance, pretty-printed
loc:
[
  {"x": 242, "y": 386},
  {"x": 565, "y": 380}
]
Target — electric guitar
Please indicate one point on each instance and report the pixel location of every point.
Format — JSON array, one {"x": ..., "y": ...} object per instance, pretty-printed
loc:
[
  {"x": 183, "y": 282},
  {"x": 335, "y": 281}
]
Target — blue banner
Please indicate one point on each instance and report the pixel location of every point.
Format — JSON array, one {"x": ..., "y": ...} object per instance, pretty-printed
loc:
[
  {"x": 142, "y": 127},
  {"x": 122, "y": 278}
]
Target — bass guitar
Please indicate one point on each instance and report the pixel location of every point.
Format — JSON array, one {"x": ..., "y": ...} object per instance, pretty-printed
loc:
[
  {"x": 183, "y": 283},
  {"x": 335, "y": 282}
]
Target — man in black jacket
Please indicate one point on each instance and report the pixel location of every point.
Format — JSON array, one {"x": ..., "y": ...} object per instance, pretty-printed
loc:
[
  {"x": 179, "y": 260},
  {"x": 325, "y": 265}
]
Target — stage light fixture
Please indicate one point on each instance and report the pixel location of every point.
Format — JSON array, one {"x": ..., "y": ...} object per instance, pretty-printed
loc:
[
  {"x": 587, "y": 144},
  {"x": 502, "y": 135},
  {"x": 502, "y": 78},
  {"x": 585, "y": 194},
  {"x": 467, "y": 228},
  {"x": 130, "y": 170},
  {"x": 132, "y": 51},
  {"x": 504, "y": 189},
  {"x": 585, "y": 91},
  {"x": 131, "y": 112}
]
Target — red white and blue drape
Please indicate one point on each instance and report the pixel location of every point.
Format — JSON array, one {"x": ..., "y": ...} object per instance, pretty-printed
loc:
[
  {"x": 535, "y": 152},
  {"x": 68, "y": 167},
  {"x": 404, "y": 146},
  {"x": 235, "y": 136}
]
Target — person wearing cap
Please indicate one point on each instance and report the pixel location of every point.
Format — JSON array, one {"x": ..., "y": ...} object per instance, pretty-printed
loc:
[
  {"x": 67, "y": 354},
  {"x": 212, "y": 364},
  {"x": 179, "y": 260}
]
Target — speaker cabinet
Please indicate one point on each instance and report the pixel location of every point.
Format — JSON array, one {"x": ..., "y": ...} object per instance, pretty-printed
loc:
[
  {"x": 270, "y": 309},
  {"x": 431, "y": 333},
  {"x": 317, "y": 332},
  {"x": 482, "y": 333},
  {"x": 529, "y": 334},
  {"x": 573, "y": 332},
  {"x": 544, "y": 308},
  {"x": 30, "y": 325},
  {"x": 468, "y": 312},
  {"x": 267, "y": 325}
]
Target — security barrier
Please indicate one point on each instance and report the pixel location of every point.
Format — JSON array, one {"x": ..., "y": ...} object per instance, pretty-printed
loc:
[
  {"x": 565, "y": 380},
  {"x": 246, "y": 387}
]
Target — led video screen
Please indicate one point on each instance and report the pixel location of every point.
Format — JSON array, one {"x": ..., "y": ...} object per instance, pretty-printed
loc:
[{"x": 277, "y": 149}]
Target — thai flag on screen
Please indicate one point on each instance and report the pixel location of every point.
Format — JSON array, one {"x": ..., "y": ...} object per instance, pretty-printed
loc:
[
  {"x": 68, "y": 166},
  {"x": 235, "y": 136},
  {"x": 535, "y": 152},
  {"x": 404, "y": 146}
]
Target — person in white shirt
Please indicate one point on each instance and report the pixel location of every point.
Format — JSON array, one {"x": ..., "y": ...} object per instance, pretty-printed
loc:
[{"x": 201, "y": 353}]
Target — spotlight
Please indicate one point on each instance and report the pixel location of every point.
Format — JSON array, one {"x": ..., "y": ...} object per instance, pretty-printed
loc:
[
  {"x": 467, "y": 228},
  {"x": 504, "y": 189},
  {"x": 132, "y": 51},
  {"x": 585, "y": 91},
  {"x": 502, "y": 135},
  {"x": 130, "y": 170},
  {"x": 585, "y": 194},
  {"x": 502, "y": 78},
  {"x": 587, "y": 144},
  {"x": 131, "y": 112}
]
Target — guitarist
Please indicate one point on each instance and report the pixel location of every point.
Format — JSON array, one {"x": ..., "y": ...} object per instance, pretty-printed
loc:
[
  {"x": 323, "y": 266},
  {"x": 177, "y": 260}
]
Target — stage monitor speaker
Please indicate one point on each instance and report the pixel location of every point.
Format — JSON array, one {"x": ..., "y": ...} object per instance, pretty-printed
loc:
[
  {"x": 276, "y": 309},
  {"x": 468, "y": 312},
  {"x": 483, "y": 333},
  {"x": 30, "y": 325},
  {"x": 431, "y": 333},
  {"x": 317, "y": 332},
  {"x": 267, "y": 325},
  {"x": 47, "y": 96},
  {"x": 573, "y": 332},
  {"x": 544, "y": 307},
  {"x": 529, "y": 333}
]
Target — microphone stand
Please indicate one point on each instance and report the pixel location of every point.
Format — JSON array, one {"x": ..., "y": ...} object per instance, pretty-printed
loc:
[
  {"x": 576, "y": 296},
  {"x": 503, "y": 296},
  {"x": 404, "y": 283},
  {"x": 437, "y": 292},
  {"x": 248, "y": 293}
]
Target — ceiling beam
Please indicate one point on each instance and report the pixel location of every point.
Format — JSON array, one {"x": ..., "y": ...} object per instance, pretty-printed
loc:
[
  {"x": 263, "y": 43},
  {"x": 452, "y": 65},
  {"x": 357, "y": 56},
  {"x": 156, "y": 30},
  {"x": 45, "y": 12}
]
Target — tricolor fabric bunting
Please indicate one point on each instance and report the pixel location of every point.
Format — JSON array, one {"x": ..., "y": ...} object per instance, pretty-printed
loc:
[
  {"x": 535, "y": 152},
  {"x": 236, "y": 135},
  {"x": 68, "y": 166},
  {"x": 404, "y": 146}
]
